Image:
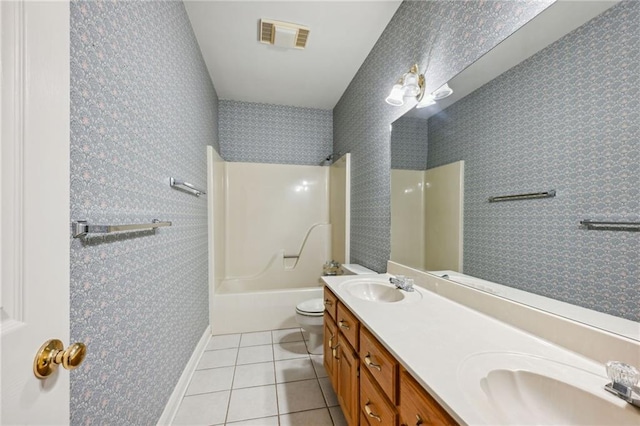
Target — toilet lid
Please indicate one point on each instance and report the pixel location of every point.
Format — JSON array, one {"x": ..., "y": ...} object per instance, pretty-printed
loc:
[{"x": 313, "y": 306}]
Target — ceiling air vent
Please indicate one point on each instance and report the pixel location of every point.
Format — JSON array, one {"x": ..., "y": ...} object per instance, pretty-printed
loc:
[{"x": 283, "y": 34}]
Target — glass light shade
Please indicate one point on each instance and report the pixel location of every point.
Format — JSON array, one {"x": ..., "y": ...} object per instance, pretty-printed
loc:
[
  {"x": 442, "y": 92},
  {"x": 396, "y": 97},
  {"x": 426, "y": 101},
  {"x": 410, "y": 84}
]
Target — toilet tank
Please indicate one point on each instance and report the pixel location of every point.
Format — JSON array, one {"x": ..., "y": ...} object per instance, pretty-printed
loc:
[{"x": 355, "y": 269}]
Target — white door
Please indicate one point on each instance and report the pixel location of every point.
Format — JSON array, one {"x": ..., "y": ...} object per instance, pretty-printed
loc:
[{"x": 34, "y": 196}]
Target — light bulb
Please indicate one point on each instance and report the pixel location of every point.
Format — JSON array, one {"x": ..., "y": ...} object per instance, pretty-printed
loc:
[
  {"x": 396, "y": 97},
  {"x": 442, "y": 92},
  {"x": 426, "y": 101},
  {"x": 410, "y": 84}
]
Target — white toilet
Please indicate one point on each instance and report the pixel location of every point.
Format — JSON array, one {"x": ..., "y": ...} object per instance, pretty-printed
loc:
[{"x": 309, "y": 313}]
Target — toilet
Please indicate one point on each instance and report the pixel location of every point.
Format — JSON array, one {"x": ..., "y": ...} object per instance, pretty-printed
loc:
[{"x": 309, "y": 313}]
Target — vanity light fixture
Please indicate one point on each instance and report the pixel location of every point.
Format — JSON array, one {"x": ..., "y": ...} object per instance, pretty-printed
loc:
[
  {"x": 412, "y": 85},
  {"x": 396, "y": 97}
]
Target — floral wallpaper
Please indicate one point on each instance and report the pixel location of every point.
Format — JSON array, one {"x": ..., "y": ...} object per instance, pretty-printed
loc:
[
  {"x": 262, "y": 133},
  {"x": 567, "y": 119},
  {"x": 443, "y": 37},
  {"x": 143, "y": 108}
]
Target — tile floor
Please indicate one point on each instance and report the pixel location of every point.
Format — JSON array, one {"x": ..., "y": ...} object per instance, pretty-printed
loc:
[{"x": 264, "y": 378}]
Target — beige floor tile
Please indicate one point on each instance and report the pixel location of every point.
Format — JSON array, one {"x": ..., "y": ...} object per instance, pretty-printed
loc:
[
  {"x": 318, "y": 365},
  {"x": 290, "y": 370},
  {"x": 265, "y": 421},
  {"x": 319, "y": 417},
  {"x": 255, "y": 339},
  {"x": 290, "y": 350},
  {"x": 327, "y": 390},
  {"x": 210, "y": 380},
  {"x": 219, "y": 358},
  {"x": 250, "y": 375},
  {"x": 299, "y": 396},
  {"x": 205, "y": 409},
  {"x": 252, "y": 403},
  {"x": 224, "y": 341},
  {"x": 337, "y": 416},
  {"x": 287, "y": 335},
  {"x": 254, "y": 354}
]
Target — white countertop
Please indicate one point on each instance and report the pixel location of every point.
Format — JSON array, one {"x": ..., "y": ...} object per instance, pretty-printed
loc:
[{"x": 432, "y": 337}]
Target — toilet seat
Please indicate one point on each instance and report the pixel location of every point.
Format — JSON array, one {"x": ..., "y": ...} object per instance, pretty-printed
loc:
[{"x": 311, "y": 308}]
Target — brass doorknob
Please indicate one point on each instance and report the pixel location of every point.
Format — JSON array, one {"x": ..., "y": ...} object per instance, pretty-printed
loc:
[{"x": 53, "y": 353}]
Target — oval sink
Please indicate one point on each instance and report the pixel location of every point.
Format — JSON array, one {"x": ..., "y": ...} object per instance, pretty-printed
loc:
[
  {"x": 526, "y": 389},
  {"x": 375, "y": 292},
  {"x": 378, "y": 290}
]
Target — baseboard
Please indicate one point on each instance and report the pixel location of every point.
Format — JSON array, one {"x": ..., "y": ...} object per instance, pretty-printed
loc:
[{"x": 173, "y": 404}]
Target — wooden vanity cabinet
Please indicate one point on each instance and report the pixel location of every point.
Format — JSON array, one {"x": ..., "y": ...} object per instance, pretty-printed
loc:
[
  {"x": 374, "y": 405},
  {"x": 348, "y": 390},
  {"x": 341, "y": 360},
  {"x": 383, "y": 393},
  {"x": 330, "y": 303},
  {"x": 330, "y": 348},
  {"x": 417, "y": 407}
]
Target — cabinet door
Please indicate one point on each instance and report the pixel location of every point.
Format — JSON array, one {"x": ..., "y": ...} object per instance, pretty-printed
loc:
[
  {"x": 348, "y": 383},
  {"x": 331, "y": 349},
  {"x": 417, "y": 407}
]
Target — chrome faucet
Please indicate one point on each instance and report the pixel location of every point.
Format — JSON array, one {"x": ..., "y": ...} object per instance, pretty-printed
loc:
[
  {"x": 403, "y": 283},
  {"x": 624, "y": 380}
]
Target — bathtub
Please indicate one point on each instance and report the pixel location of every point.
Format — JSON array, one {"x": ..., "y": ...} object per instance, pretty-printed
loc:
[
  {"x": 241, "y": 307},
  {"x": 239, "y": 311}
]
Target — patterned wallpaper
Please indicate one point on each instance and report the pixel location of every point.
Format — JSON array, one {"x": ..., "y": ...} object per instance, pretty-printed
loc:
[
  {"x": 445, "y": 36},
  {"x": 409, "y": 146},
  {"x": 566, "y": 119},
  {"x": 262, "y": 133},
  {"x": 142, "y": 109}
]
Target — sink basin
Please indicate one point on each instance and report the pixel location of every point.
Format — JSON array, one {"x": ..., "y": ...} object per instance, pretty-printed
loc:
[
  {"x": 526, "y": 389},
  {"x": 378, "y": 290}
]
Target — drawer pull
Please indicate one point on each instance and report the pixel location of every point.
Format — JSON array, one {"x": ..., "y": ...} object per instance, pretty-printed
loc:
[
  {"x": 334, "y": 351},
  {"x": 328, "y": 302},
  {"x": 343, "y": 324},
  {"x": 371, "y": 413},
  {"x": 367, "y": 360},
  {"x": 418, "y": 420}
]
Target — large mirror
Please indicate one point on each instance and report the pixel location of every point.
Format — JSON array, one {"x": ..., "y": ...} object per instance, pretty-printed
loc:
[{"x": 553, "y": 109}]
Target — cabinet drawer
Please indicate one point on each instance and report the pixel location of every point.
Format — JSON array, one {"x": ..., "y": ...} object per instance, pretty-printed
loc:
[
  {"x": 330, "y": 302},
  {"x": 380, "y": 363},
  {"x": 349, "y": 325},
  {"x": 418, "y": 407},
  {"x": 377, "y": 409}
]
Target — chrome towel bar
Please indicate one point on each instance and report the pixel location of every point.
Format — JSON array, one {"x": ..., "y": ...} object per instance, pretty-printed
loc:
[
  {"x": 185, "y": 186},
  {"x": 610, "y": 226},
  {"x": 529, "y": 196},
  {"x": 80, "y": 228}
]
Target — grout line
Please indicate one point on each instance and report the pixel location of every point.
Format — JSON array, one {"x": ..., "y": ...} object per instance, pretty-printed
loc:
[
  {"x": 275, "y": 378},
  {"x": 235, "y": 365}
]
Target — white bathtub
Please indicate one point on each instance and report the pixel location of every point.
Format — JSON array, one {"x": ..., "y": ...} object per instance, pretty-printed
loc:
[{"x": 242, "y": 312}]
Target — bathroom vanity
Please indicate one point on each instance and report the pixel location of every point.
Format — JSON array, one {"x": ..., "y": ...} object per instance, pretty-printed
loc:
[
  {"x": 358, "y": 364},
  {"x": 423, "y": 357}
]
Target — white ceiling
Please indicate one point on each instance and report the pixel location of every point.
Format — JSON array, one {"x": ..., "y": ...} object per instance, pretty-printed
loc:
[{"x": 341, "y": 36}]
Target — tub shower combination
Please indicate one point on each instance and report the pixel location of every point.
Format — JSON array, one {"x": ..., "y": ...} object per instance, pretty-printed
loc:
[{"x": 272, "y": 228}]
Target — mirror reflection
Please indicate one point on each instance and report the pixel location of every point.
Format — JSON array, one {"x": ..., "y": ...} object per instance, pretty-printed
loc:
[{"x": 562, "y": 116}]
